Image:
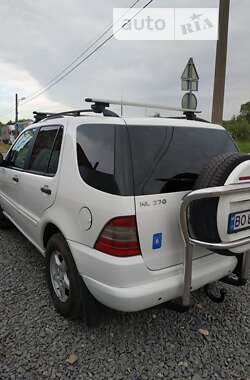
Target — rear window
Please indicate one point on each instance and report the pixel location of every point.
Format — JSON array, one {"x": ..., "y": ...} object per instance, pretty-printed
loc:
[
  {"x": 169, "y": 159},
  {"x": 95, "y": 156},
  {"x": 104, "y": 158}
]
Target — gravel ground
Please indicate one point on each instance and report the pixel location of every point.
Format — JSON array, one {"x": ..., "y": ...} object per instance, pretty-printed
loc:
[{"x": 155, "y": 344}]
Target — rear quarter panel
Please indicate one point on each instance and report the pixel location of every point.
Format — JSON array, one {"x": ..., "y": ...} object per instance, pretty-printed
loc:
[{"x": 74, "y": 194}]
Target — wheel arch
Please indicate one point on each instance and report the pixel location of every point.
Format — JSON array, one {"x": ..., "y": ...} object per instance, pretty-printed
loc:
[{"x": 49, "y": 230}]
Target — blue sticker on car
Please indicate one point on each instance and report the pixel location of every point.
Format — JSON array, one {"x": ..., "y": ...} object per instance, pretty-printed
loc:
[
  {"x": 231, "y": 223},
  {"x": 157, "y": 241}
]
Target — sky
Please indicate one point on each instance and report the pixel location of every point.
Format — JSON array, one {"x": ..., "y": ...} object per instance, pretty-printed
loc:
[{"x": 39, "y": 38}]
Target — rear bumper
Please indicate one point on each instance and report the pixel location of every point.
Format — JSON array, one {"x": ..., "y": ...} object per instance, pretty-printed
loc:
[
  {"x": 135, "y": 298},
  {"x": 127, "y": 285}
]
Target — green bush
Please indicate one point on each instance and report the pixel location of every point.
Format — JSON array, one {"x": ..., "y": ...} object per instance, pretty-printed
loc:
[{"x": 239, "y": 129}]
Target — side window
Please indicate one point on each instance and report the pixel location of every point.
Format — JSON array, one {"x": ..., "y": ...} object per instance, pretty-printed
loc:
[
  {"x": 95, "y": 156},
  {"x": 20, "y": 152},
  {"x": 45, "y": 153},
  {"x": 54, "y": 159}
]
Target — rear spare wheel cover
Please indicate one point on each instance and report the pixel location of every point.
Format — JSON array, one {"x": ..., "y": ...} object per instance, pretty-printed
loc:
[
  {"x": 209, "y": 217},
  {"x": 234, "y": 204}
]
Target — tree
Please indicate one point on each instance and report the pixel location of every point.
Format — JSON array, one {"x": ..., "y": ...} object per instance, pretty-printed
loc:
[
  {"x": 245, "y": 111},
  {"x": 239, "y": 127}
]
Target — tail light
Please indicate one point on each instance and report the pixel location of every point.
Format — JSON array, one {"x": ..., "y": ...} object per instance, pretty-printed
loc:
[{"x": 119, "y": 237}]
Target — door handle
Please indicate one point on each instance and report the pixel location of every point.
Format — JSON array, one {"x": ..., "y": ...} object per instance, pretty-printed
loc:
[
  {"x": 15, "y": 179},
  {"x": 46, "y": 190}
]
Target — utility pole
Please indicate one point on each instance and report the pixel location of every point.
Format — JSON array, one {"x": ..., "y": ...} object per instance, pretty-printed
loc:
[
  {"x": 17, "y": 100},
  {"x": 16, "y": 109},
  {"x": 121, "y": 107},
  {"x": 221, "y": 63}
]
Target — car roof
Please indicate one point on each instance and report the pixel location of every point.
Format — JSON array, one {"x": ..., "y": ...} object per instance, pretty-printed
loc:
[
  {"x": 130, "y": 121},
  {"x": 170, "y": 122}
]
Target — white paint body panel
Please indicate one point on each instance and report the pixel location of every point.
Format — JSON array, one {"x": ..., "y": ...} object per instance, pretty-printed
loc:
[
  {"x": 234, "y": 203},
  {"x": 128, "y": 285},
  {"x": 160, "y": 214}
]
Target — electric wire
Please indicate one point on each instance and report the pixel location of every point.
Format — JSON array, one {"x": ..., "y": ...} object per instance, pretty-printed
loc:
[{"x": 58, "y": 80}]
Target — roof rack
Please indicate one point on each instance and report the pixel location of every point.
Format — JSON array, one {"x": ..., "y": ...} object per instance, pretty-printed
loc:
[
  {"x": 101, "y": 104},
  {"x": 38, "y": 116}
]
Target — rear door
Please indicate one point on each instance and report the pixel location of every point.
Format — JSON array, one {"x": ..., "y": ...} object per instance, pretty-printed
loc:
[{"x": 166, "y": 162}]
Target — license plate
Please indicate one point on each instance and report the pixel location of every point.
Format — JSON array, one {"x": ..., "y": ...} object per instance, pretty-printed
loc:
[{"x": 238, "y": 221}]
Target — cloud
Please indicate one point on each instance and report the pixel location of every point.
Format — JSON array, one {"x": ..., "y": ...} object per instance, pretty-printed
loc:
[
  {"x": 40, "y": 38},
  {"x": 14, "y": 79}
]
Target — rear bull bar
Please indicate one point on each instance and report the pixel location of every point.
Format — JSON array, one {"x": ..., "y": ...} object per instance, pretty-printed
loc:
[{"x": 212, "y": 192}]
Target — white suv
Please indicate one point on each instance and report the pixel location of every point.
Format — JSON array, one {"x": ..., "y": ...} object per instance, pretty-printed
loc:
[{"x": 100, "y": 198}]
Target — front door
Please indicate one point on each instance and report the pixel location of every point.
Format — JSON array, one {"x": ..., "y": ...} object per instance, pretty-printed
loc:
[{"x": 16, "y": 162}]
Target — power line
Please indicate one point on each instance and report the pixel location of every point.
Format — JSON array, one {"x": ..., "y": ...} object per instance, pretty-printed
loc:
[
  {"x": 92, "y": 44},
  {"x": 55, "y": 82},
  {"x": 37, "y": 93}
]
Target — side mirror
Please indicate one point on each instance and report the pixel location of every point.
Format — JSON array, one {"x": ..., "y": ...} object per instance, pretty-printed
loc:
[{"x": 1, "y": 159}]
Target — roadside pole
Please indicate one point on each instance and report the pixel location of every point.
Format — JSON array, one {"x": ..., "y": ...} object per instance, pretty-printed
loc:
[
  {"x": 16, "y": 109},
  {"x": 221, "y": 63}
]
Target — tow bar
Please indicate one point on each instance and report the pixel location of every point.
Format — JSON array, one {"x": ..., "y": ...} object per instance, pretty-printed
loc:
[
  {"x": 214, "y": 297},
  {"x": 239, "y": 277},
  {"x": 235, "y": 279},
  {"x": 190, "y": 242}
]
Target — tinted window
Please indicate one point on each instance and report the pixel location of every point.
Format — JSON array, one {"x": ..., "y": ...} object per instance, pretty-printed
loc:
[
  {"x": 95, "y": 155},
  {"x": 167, "y": 159},
  {"x": 54, "y": 159},
  {"x": 20, "y": 151},
  {"x": 42, "y": 154}
]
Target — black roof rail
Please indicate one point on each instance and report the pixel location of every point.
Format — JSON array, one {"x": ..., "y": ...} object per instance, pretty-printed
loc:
[
  {"x": 38, "y": 116},
  {"x": 100, "y": 107},
  {"x": 203, "y": 120},
  {"x": 184, "y": 118}
]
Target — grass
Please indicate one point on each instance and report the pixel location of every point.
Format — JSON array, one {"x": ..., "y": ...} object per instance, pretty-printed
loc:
[
  {"x": 4, "y": 148},
  {"x": 244, "y": 146}
]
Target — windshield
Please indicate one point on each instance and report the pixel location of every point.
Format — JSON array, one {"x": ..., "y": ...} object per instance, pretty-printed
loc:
[{"x": 169, "y": 159}]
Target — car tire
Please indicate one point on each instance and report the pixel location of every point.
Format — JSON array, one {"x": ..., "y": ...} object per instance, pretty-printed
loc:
[
  {"x": 5, "y": 223},
  {"x": 70, "y": 295},
  {"x": 203, "y": 213}
]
